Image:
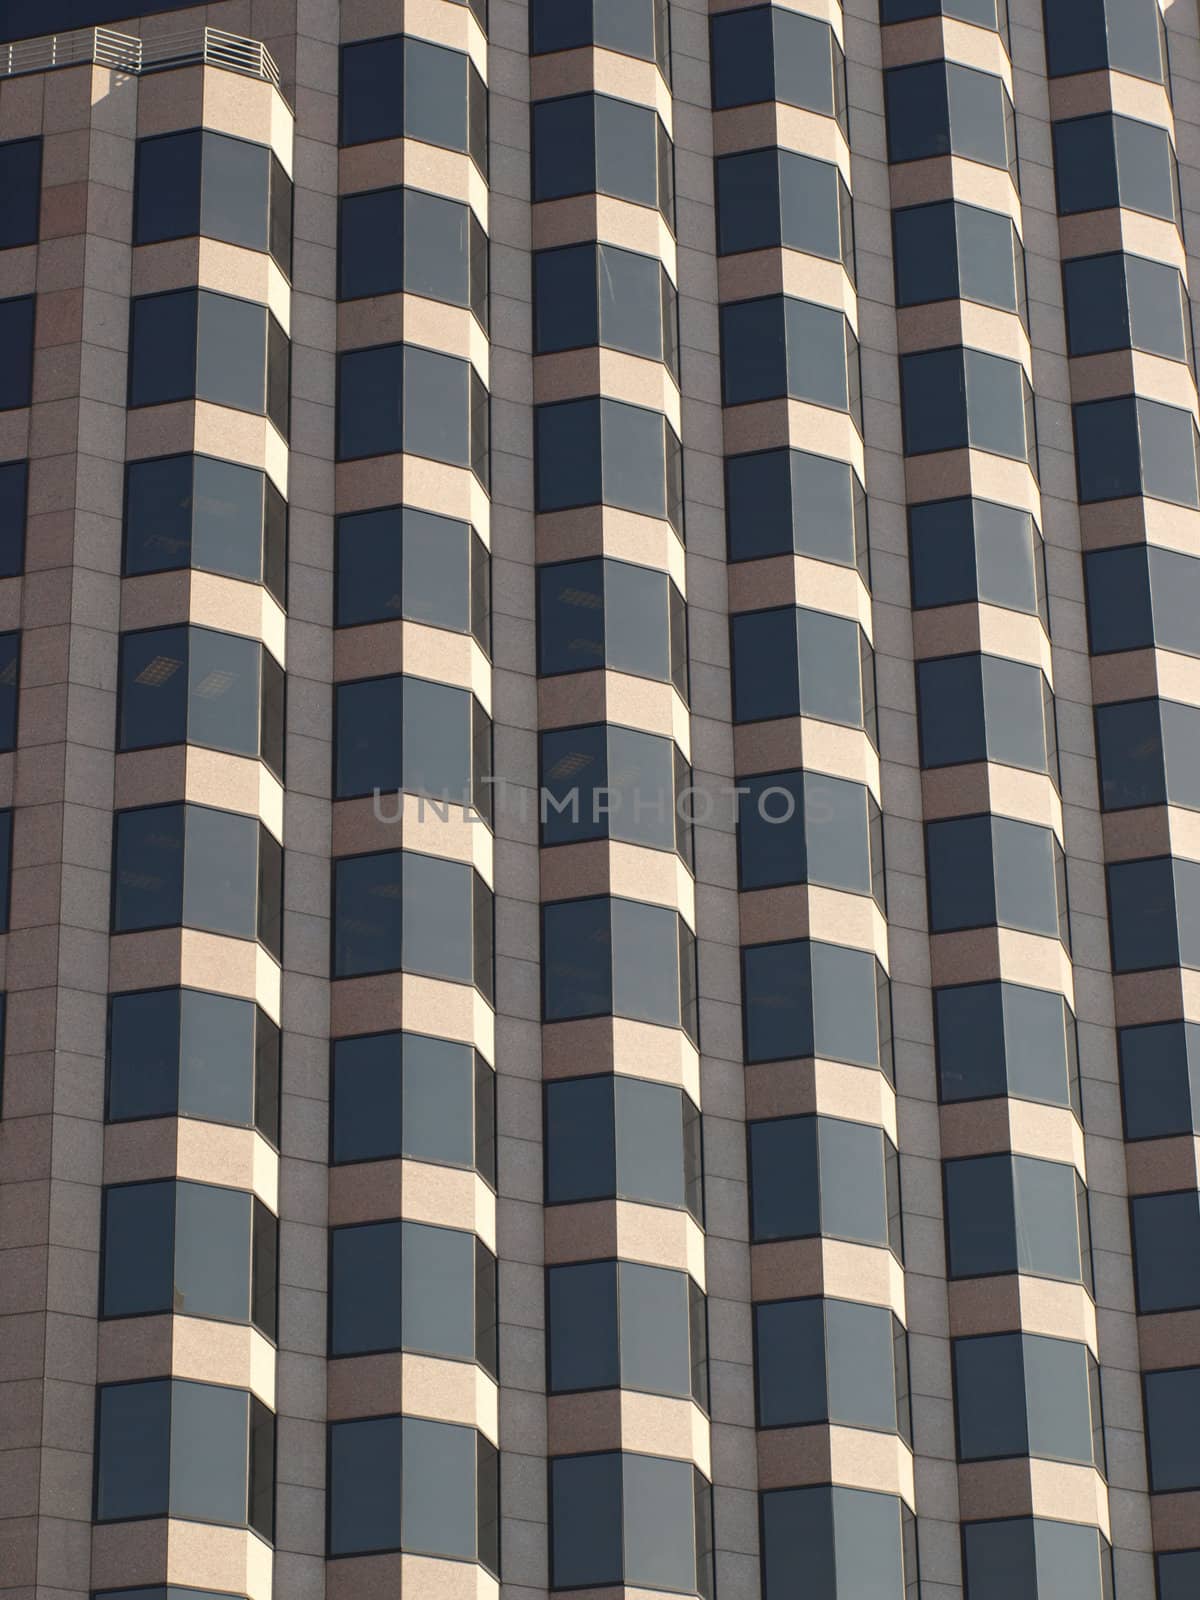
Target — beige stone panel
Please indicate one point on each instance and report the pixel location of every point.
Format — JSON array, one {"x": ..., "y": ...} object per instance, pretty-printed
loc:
[
  {"x": 1131, "y": 834},
  {"x": 413, "y": 481},
  {"x": 451, "y": 1391},
  {"x": 1034, "y": 1305},
  {"x": 607, "y": 866},
  {"x": 452, "y": 26},
  {"x": 753, "y": 273},
  {"x": 987, "y": 786},
  {"x": 170, "y": 101},
  {"x": 1021, "y": 1487},
  {"x": 1178, "y": 676},
  {"x": 834, "y": 1267},
  {"x": 856, "y": 1457},
  {"x": 832, "y": 1088},
  {"x": 597, "y": 1230},
  {"x": 21, "y": 101},
  {"x": 932, "y": 38},
  {"x": 617, "y": 1044},
  {"x": 826, "y": 10},
  {"x": 616, "y": 1419},
  {"x": 979, "y": 954},
  {"x": 210, "y": 430},
  {"x": 414, "y": 822},
  {"x": 1120, "y": 372},
  {"x": 947, "y": 473},
  {"x": 384, "y": 1577},
  {"x": 820, "y": 585},
  {"x": 191, "y": 1553},
  {"x": 160, "y": 599},
  {"x": 579, "y": 71},
  {"x": 1118, "y": 677},
  {"x": 1156, "y": 1166},
  {"x": 451, "y": 173},
  {"x": 198, "y": 960},
  {"x": 802, "y": 911},
  {"x": 612, "y": 221},
  {"x": 1154, "y": 997},
  {"x": 790, "y": 127},
  {"x": 359, "y": 1386},
  {"x": 414, "y": 648},
  {"x": 787, "y": 742},
  {"x": 1175, "y": 1518},
  {"x": 223, "y": 1352},
  {"x": 1133, "y": 231},
  {"x": 250, "y": 108},
  {"x": 371, "y": 1191},
  {"x": 1051, "y": 1133},
  {"x": 917, "y": 183},
  {"x": 636, "y": 380},
  {"x": 962, "y": 629},
  {"x": 577, "y": 698},
  {"x": 419, "y": 1005},
  {"x": 411, "y": 318},
  {"x": 1183, "y": 833},
  {"x": 14, "y": 434},
  {"x": 953, "y": 322},
  {"x": 213, "y": 264},
  {"x": 204, "y": 777},
  {"x": 184, "y": 1147},
  {"x": 768, "y": 424},
  {"x": 1170, "y": 1339},
  {"x": 1087, "y": 93},
  {"x": 622, "y": 535},
  {"x": 18, "y": 268}
]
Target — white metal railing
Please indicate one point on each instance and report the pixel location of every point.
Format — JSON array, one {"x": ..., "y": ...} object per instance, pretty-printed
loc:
[{"x": 125, "y": 53}]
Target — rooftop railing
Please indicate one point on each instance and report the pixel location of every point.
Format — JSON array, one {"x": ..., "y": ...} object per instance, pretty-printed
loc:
[{"x": 125, "y": 53}]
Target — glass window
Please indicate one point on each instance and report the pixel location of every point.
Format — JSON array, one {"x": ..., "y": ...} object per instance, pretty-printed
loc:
[
  {"x": 819, "y": 1175},
  {"x": 14, "y": 485},
  {"x": 1005, "y": 1039},
  {"x": 1178, "y": 1574},
  {"x": 1090, "y": 35},
  {"x": 188, "y": 1249},
  {"x": 623, "y": 1518},
  {"x": 613, "y": 1324},
  {"x": 396, "y": 87},
  {"x": 1154, "y": 913},
  {"x": 398, "y": 563},
  {"x": 1024, "y": 1395},
  {"x": 588, "y": 294},
  {"x": 396, "y": 397},
  {"x": 607, "y": 956},
  {"x": 16, "y": 339},
  {"x": 600, "y": 614},
  {"x": 1166, "y": 1250},
  {"x": 406, "y": 1094},
  {"x": 400, "y": 733},
  {"x": 196, "y": 511},
  {"x": 193, "y": 343},
  {"x": 591, "y": 143},
  {"x": 603, "y": 781},
  {"x": 1030, "y": 1556},
  {"x": 170, "y": 1447},
  {"x": 1130, "y": 446},
  {"x": 795, "y": 662},
  {"x": 771, "y": 198},
  {"x": 805, "y": 827},
  {"x": 409, "y": 1286},
  {"x": 785, "y": 502},
  {"x": 428, "y": 1488},
  {"x": 393, "y": 241},
  {"x": 623, "y": 1138},
  {"x": 802, "y": 998},
  {"x": 845, "y": 1541},
  {"x": 956, "y": 399},
  {"x": 210, "y": 183},
  {"x": 197, "y": 867},
  {"x": 182, "y": 1052},
  {"x": 975, "y": 550},
  {"x": 599, "y": 451},
  {"x": 1008, "y": 1213},
  {"x": 1104, "y": 161},
  {"x": 1119, "y": 302},
  {"x": 21, "y": 185},
  {"x": 6, "y": 824},
  {"x": 193, "y": 685},
  {"x": 10, "y": 676},
  {"x": 950, "y": 251},
  {"x": 939, "y": 108},
  {"x": 629, "y": 27},
  {"x": 395, "y": 910},
  {"x": 1173, "y": 1428},
  {"x": 1149, "y": 754},
  {"x": 1160, "y": 1079},
  {"x": 830, "y": 1361},
  {"x": 986, "y": 870},
  {"x": 780, "y": 346},
  {"x": 985, "y": 708},
  {"x": 1142, "y": 595},
  {"x": 767, "y": 53}
]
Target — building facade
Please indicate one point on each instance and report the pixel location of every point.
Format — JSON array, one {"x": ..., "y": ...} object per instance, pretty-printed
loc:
[{"x": 507, "y": 1084}]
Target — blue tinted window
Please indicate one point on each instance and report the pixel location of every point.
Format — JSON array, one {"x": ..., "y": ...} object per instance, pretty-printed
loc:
[
  {"x": 1173, "y": 1428},
  {"x": 1130, "y": 446},
  {"x": 794, "y": 662},
  {"x": 1104, "y": 161},
  {"x": 1091, "y": 35},
  {"x": 998, "y": 1039},
  {"x": 964, "y": 550},
  {"x": 957, "y": 398},
  {"x": 803, "y": 998},
  {"x": 16, "y": 339},
  {"x": 767, "y": 53},
  {"x": 1160, "y": 1079},
  {"x": 21, "y": 186},
  {"x": 939, "y": 108},
  {"x": 780, "y": 346},
  {"x": 1154, "y": 913},
  {"x": 780, "y": 502},
  {"x": 14, "y": 488},
  {"x": 769, "y": 198},
  {"x": 949, "y": 250}
]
